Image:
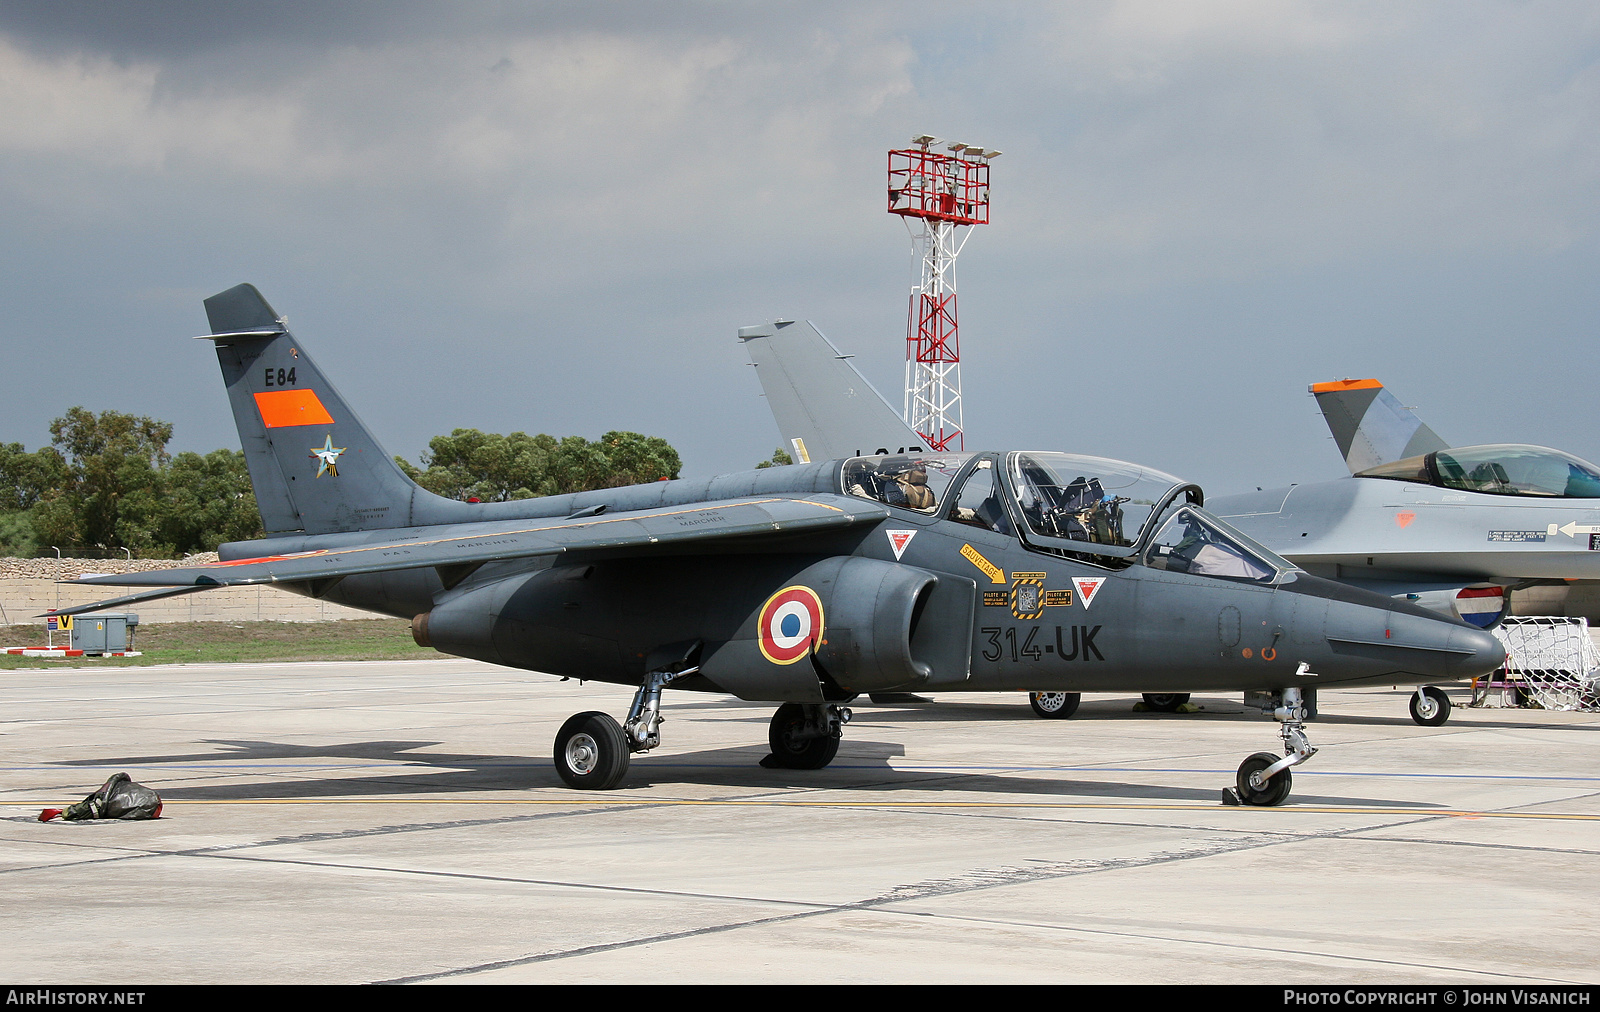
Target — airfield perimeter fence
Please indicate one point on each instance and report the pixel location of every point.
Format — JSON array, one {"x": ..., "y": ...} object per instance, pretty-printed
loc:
[{"x": 1551, "y": 660}]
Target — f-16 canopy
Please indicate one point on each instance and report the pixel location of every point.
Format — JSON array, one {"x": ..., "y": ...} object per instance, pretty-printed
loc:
[{"x": 1498, "y": 469}]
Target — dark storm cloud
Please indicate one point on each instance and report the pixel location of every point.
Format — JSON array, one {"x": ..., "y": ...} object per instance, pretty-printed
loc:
[
  {"x": 553, "y": 216},
  {"x": 179, "y": 29}
]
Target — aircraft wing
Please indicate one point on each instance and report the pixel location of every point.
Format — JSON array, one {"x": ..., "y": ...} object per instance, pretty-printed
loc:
[
  {"x": 823, "y": 406},
  {"x": 474, "y": 544}
]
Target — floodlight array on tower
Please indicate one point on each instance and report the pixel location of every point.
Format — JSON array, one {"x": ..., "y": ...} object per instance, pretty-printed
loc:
[{"x": 946, "y": 192}]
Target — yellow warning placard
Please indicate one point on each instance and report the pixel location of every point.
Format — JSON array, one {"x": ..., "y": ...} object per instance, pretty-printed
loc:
[{"x": 992, "y": 571}]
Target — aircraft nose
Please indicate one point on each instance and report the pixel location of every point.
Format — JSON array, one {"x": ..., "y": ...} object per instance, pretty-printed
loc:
[
  {"x": 1444, "y": 648},
  {"x": 1488, "y": 653}
]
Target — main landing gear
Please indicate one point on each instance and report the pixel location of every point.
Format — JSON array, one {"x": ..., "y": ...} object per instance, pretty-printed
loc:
[
  {"x": 805, "y": 736},
  {"x": 1055, "y": 705},
  {"x": 593, "y": 751},
  {"x": 1430, "y": 707},
  {"x": 1264, "y": 778}
]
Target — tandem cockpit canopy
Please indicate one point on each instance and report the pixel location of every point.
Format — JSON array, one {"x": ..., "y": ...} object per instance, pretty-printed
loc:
[
  {"x": 910, "y": 482},
  {"x": 1498, "y": 469},
  {"x": 1088, "y": 499},
  {"x": 1110, "y": 513}
]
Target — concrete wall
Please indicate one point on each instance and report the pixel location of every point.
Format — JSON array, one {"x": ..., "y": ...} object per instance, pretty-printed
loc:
[{"x": 29, "y": 587}]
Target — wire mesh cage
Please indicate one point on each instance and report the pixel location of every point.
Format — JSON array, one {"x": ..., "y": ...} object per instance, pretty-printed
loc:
[{"x": 1550, "y": 661}]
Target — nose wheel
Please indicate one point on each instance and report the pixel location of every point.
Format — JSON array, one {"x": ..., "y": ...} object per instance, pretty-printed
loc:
[
  {"x": 1264, "y": 779},
  {"x": 1256, "y": 789},
  {"x": 1430, "y": 707}
]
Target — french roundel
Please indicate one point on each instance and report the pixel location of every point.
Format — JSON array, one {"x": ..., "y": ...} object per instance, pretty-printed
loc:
[{"x": 789, "y": 623}]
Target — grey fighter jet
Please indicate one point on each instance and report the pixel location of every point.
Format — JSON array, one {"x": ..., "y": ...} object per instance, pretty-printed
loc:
[
  {"x": 1456, "y": 530},
  {"x": 1451, "y": 530},
  {"x": 801, "y": 585}
]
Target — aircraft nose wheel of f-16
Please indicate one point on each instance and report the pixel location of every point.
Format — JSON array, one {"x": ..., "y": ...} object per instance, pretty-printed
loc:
[
  {"x": 1430, "y": 707},
  {"x": 1263, "y": 778},
  {"x": 1055, "y": 705},
  {"x": 805, "y": 736}
]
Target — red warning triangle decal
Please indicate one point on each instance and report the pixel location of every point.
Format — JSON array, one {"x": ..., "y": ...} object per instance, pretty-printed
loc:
[
  {"x": 1088, "y": 587},
  {"x": 898, "y": 540}
]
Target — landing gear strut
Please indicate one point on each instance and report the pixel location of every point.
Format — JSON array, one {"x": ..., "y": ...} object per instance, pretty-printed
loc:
[
  {"x": 1430, "y": 707},
  {"x": 805, "y": 736},
  {"x": 1264, "y": 778},
  {"x": 593, "y": 750}
]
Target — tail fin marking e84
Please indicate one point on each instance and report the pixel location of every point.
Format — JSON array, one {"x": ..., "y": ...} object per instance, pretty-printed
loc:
[{"x": 316, "y": 469}]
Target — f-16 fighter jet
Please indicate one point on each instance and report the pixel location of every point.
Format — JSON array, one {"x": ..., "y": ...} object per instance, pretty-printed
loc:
[
  {"x": 804, "y": 585},
  {"x": 1452, "y": 529}
]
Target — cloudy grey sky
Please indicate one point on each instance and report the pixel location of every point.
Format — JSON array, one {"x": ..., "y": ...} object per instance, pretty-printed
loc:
[{"x": 554, "y": 216}]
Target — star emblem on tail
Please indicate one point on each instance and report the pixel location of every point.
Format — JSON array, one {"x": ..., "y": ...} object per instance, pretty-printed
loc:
[{"x": 327, "y": 457}]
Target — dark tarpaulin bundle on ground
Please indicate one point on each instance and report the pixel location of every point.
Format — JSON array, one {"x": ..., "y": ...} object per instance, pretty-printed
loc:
[{"x": 117, "y": 798}]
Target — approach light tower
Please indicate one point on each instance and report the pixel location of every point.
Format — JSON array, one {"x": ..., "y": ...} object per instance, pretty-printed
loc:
[{"x": 946, "y": 192}]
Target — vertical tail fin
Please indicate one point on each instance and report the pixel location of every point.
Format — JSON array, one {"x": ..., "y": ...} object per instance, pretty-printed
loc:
[
  {"x": 1370, "y": 425},
  {"x": 316, "y": 469},
  {"x": 823, "y": 406}
]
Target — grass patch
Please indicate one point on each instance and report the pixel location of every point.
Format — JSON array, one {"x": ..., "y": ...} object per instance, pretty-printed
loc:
[{"x": 379, "y": 639}]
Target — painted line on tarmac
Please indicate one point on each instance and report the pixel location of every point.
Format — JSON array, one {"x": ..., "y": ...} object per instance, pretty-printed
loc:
[
  {"x": 879, "y": 805},
  {"x": 421, "y": 761}
]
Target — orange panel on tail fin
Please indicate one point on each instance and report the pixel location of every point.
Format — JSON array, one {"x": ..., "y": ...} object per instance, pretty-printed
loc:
[{"x": 292, "y": 407}]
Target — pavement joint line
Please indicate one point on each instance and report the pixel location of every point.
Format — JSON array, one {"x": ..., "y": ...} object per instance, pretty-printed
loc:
[
  {"x": 1283, "y": 951},
  {"x": 902, "y": 894}
]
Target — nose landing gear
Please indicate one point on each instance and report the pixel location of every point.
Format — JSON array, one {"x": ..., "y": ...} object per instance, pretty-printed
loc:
[
  {"x": 1430, "y": 707},
  {"x": 1263, "y": 778}
]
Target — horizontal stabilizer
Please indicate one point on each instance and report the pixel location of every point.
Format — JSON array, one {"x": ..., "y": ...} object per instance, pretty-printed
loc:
[
  {"x": 1370, "y": 425},
  {"x": 473, "y": 544},
  {"x": 823, "y": 406}
]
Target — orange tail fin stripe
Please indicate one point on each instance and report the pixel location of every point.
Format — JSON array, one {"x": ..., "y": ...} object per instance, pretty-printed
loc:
[
  {"x": 291, "y": 407},
  {"x": 1323, "y": 388}
]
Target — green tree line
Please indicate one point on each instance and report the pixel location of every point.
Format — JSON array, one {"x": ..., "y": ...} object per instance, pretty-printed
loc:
[
  {"x": 488, "y": 467},
  {"x": 107, "y": 482}
]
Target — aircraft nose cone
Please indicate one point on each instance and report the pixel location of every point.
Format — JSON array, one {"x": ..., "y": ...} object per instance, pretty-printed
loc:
[
  {"x": 1444, "y": 648},
  {"x": 1488, "y": 653}
]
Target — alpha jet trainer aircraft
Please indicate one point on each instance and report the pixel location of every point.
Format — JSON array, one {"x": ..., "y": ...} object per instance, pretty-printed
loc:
[
  {"x": 1449, "y": 529},
  {"x": 802, "y": 585}
]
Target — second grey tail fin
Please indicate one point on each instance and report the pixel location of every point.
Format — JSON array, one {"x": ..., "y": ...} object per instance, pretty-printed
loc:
[
  {"x": 315, "y": 468},
  {"x": 1370, "y": 425},
  {"x": 823, "y": 406}
]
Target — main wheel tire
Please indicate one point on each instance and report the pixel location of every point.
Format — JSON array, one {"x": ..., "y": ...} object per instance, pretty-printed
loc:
[
  {"x": 592, "y": 751},
  {"x": 1165, "y": 702},
  {"x": 791, "y": 752},
  {"x": 1430, "y": 707},
  {"x": 1055, "y": 705},
  {"x": 1273, "y": 792}
]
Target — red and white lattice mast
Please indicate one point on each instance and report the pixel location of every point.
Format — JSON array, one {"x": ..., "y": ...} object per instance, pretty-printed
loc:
[{"x": 946, "y": 192}]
